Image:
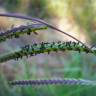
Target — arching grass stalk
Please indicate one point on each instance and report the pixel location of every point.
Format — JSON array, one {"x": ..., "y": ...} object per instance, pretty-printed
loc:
[
  {"x": 54, "y": 82},
  {"x": 40, "y": 21},
  {"x": 17, "y": 31},
  {"x": 31, "y": 50}
]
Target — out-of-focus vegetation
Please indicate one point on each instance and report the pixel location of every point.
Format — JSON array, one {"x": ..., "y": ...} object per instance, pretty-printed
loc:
[{"x": 76, "y": 17}]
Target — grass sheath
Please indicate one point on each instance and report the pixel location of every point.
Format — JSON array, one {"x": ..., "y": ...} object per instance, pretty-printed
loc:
[
  {"x": 34, "y": 49},
  {"x": 23, "y": 29}
]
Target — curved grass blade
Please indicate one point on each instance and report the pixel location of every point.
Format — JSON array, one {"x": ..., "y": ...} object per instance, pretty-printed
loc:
[
  {"x": 31, "y": 50},
  {"x": 40, "y": 21}
]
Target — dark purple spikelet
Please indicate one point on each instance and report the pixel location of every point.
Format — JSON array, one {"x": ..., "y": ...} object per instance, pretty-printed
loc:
[{"x": 54, "y": 82}]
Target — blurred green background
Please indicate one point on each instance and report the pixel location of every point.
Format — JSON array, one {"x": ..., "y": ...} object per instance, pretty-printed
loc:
[{"x": 77, "y": 18}]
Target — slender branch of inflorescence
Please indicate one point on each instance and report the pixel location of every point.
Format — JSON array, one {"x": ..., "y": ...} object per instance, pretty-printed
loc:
[
  {"x": 34, "y": 49},
  {"x": 17, "y": 31},
  {"x": 54, "y": 82}
]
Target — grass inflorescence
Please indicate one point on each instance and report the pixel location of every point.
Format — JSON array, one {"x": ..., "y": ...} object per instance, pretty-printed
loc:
[
  {"x": 23, "y": 29},
  {"x": 34, "y": 49},
  {"x": 53, "y": 82},
  {"x": 43, "y": 47}
]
